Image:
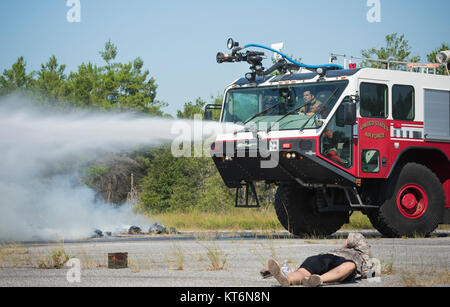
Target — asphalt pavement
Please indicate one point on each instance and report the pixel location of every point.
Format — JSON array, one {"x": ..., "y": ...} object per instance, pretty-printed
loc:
[{"x": 217, "y": 259}]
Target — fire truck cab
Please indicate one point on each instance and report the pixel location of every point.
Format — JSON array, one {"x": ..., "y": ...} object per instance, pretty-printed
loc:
[{"x": 339, "y": 140}]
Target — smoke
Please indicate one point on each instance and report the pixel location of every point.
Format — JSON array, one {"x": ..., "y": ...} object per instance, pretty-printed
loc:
[{"x": 36, "y": 205}]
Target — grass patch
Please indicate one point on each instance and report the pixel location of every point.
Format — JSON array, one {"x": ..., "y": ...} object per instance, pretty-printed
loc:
[
  {"x": 14, "y": 255},
  {"x": 358, "y": 221},
  {"x": 179, "y": 258},
  {"x": 57, "y": 258},
  {"x": 217, "y": 258},
  {"x": 444, "y": 227},
  {"x": 425, "y": 277},
  {"x": 240, "y": 220},
  {"x": 387, "y": 267},
  {"x": 233, "y": 220},
  {"x": 90, "y": 262}
]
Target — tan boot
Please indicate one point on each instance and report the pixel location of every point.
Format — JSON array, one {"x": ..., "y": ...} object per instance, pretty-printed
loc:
[
  {"x": 312, "y": 281},
  {"x": 275, "y": 270}
]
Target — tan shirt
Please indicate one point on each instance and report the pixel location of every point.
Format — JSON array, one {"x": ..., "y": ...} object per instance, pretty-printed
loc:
[{"x": 357, "y": 250}]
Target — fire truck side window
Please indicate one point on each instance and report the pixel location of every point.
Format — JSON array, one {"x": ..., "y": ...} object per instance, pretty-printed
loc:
[
  {"x": 403, "y": 102},
  {"x": 336, "y": 142},
  {"x": 374, "y": 100},
  {"x": 370, "y": 161}
]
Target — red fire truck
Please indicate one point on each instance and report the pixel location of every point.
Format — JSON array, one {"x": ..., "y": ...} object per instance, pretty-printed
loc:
[{"x": 338, "y": 140}]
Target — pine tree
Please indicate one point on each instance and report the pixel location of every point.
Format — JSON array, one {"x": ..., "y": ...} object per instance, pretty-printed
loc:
[{"x": 15, "y": 79}]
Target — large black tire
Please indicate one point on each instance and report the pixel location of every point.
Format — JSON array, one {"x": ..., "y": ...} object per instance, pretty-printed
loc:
[
  {"x": 414, "y": 204},
  {"x": 294, "y": 206}
]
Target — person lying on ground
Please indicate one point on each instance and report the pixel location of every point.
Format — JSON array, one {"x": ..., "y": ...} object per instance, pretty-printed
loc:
[{"x": 345, "y": 264}]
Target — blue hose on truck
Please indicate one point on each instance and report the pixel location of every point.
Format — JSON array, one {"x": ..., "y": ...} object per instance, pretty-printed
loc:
[{"x": 291, "y": 60}]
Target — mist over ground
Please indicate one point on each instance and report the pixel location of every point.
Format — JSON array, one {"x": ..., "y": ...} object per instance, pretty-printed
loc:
[{"x": 41, "y": 194}]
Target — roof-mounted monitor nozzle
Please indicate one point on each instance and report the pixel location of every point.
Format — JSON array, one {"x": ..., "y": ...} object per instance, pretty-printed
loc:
[
  {"x": 224, "y": 57},
  {"x": 254, "y": 58}
]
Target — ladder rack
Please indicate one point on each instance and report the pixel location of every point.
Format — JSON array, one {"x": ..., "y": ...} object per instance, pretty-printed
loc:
[{"x": 389, "y": 64}]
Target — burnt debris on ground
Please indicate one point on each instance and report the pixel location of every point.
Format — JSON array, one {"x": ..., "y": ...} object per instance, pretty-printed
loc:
[{"x": 153, "y": 229}]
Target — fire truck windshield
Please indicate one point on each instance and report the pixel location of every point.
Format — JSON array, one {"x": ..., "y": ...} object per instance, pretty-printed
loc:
[{"x": 268, "y": 105}]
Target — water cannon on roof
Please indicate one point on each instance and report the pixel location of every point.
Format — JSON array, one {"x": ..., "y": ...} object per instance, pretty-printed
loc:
[{"x": 255, "y": 58}]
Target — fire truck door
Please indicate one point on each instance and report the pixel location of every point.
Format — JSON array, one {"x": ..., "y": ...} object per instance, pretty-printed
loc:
[{"x": 373, "y": 129}]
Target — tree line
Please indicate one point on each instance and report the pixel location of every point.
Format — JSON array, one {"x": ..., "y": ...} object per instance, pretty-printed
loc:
[
  {"x": 113, "y": 85},
  {"x": 166, "y": 183}
]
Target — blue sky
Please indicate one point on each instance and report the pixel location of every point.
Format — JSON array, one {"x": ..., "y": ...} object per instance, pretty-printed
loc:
[{"x": 178, "y": 40}]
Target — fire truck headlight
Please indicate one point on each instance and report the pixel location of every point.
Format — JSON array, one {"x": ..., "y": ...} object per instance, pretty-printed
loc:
[
  {"x": 249, "y": 76},
  {"x": 321, "y": 71}
]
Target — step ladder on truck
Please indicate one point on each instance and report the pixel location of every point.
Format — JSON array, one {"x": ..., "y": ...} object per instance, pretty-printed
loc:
[{"x": 339, "y": 139}]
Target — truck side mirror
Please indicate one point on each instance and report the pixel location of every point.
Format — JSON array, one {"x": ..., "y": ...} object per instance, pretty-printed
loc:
[
  {"x": 346, "y": 114},
  {"x": 350, "y": 114},
  {"x": 209, "y": 108},
  {"x": 208, "y": 115}
]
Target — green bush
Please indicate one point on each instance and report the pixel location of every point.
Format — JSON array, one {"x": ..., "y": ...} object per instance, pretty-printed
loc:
[{"x": 182, "y": 184}]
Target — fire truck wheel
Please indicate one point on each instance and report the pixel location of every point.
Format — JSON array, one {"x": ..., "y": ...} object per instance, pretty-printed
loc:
[
  {"x": 414, "y": 207},
  {"x": 294, "y": 206}
]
